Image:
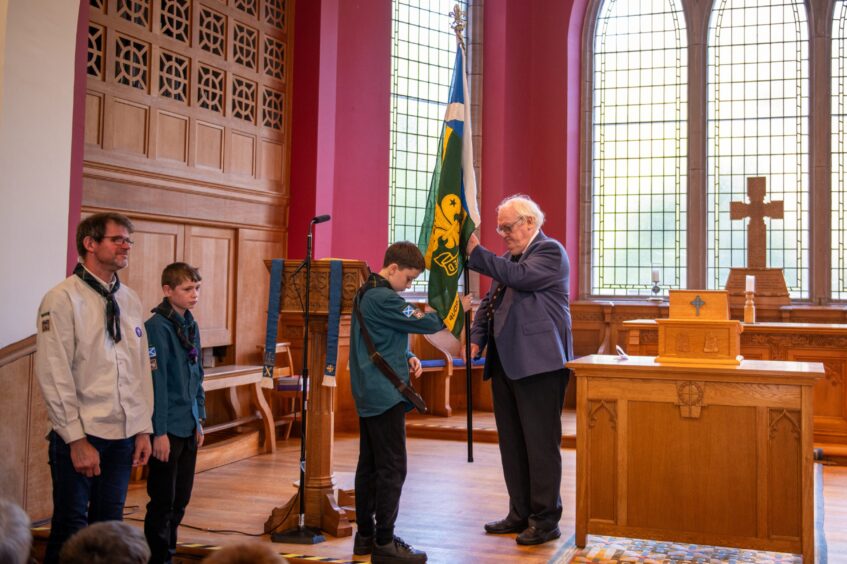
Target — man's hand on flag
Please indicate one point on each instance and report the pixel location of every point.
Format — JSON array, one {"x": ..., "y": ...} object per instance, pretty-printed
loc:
[
  {"x": 467, "y": 302},
  {"x": 473, "y": 242}
]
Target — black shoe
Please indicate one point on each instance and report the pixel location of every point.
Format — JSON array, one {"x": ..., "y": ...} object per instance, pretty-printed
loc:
[
  {"x": 362, "y": 544},
  {"x": 504, "y": 526},
  {"x": 534, "y": 535},
  {"x": 396, "y": 551}
]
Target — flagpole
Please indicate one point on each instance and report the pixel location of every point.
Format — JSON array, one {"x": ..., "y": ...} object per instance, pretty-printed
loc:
[
  {"x": 468, "y": 368},
  {"x": 458, "y": 26}
]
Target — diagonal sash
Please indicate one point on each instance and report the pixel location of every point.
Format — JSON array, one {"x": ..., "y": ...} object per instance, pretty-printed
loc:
[
  {"x": 336, "y": 273},
  {"x": 274, "y": 297}
]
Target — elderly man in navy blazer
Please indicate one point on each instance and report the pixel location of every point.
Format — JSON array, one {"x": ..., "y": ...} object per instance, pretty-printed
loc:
[{"x": 524, "y": 323}]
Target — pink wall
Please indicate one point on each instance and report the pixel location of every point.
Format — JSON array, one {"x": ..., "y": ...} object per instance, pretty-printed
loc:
[
  {"x": 530, "y": 118},
  {"x": 304, "y": 134},
  {"x": 342, "y": 169},
  {"x": 341, "y": 121},
  {"x": 78, "y": 133}
]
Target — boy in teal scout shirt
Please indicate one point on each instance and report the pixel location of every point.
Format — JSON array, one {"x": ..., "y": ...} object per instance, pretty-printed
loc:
[
  {"x": 382, "y": 409},
  {"x": 179, "y": 408}
]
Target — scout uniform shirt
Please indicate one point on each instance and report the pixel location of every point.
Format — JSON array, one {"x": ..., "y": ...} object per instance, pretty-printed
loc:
[
  {"x": 389, "y": 320},
  {"x": 92, "y": 385},
  {"x": 177, "y": 382}
]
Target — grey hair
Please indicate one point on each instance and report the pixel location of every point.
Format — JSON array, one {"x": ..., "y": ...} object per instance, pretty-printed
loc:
[
  {"x": 15, "y": 534},
  {"x": 524, "y": 207}
]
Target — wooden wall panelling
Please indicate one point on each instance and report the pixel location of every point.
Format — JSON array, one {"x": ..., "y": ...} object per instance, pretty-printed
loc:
[
  {"x": 212, "y": 250},
  {"x": 254, "y": 247},
  {"x": 157, "y": 244},
  {"x": 23, "y": 466}
]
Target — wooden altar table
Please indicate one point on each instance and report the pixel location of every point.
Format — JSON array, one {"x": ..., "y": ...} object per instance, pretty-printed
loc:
[{"x": 707, "y": 454}]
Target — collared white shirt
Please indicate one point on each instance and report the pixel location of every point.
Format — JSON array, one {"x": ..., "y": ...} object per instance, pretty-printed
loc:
[
  {"x": 534, "y": 236},
  {"x": 91, "y": 384}
]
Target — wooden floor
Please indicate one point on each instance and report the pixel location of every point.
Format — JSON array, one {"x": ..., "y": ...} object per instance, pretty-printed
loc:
[{"x": 445, "y": 502}]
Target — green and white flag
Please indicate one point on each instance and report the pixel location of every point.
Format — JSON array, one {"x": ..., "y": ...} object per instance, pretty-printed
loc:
[{"x": 451, "y": 208}]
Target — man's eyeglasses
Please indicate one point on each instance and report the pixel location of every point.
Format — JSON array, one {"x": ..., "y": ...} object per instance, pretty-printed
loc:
[
  {"x": 120, "y": 240},
  {"x": 506, "y": 228}
]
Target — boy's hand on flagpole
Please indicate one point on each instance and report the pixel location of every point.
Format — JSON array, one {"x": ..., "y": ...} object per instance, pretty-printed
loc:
[{"x": 473, "y": 242}]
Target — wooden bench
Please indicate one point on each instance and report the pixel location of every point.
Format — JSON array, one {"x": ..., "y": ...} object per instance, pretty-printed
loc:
[
  {"x": 440, "y": 355},
  {"x": 229, "y": 378}
]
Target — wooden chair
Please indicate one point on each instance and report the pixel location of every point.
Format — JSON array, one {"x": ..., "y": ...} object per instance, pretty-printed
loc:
[{"x": 284, "y": 388}]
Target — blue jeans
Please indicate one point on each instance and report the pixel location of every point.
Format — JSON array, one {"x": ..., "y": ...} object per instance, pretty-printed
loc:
[{"x": 79, "y": 501}]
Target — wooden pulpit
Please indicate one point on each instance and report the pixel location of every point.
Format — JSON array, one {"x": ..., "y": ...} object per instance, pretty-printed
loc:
[{"x": 321, "y": 509}]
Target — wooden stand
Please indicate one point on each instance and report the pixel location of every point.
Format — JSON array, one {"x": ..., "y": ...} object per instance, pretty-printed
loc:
[{"x": 321, "y": 509}]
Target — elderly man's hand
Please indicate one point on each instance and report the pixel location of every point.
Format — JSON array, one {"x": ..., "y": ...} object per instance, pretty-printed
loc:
[{"x": 473, "y": 242}]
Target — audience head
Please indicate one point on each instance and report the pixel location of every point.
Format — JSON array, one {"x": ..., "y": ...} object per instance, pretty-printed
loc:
[
  {"x": 106, "y": 542},
  {"x": 15, "y": 534},
  {"x": 245, "y": 552}
]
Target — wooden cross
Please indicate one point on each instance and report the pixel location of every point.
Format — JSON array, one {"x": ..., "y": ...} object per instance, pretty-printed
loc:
[{"x": 756, "y": 210}]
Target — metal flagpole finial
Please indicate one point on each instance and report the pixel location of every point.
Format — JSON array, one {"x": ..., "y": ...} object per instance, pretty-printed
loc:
[{"x": 458, "y": 24}]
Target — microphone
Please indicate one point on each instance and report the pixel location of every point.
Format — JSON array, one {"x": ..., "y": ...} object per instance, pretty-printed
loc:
[{"x": 320, "y": 218}]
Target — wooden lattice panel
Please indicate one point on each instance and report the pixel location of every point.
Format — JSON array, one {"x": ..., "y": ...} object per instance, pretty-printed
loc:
[
  {"x": 212, "y": 76},
  {"x": 175, "y": 20}
]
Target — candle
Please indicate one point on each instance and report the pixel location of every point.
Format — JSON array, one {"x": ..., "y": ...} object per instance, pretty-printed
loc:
[
  {"x": 655, "y": 275},
  {"x": 751, "y": 283}
]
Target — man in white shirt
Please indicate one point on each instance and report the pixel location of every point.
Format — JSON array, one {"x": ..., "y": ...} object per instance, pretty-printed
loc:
[{"x": 93, "y": 366}]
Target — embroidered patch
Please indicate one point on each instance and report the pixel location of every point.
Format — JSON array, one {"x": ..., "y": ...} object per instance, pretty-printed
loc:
[
  {"x": 45, "y": 322},
  {"x": 138, "y": 332},
  {"x": 154, "y": 362},
  {"x": 418, "y": 314},
  {"x": 409, "y": 311}
]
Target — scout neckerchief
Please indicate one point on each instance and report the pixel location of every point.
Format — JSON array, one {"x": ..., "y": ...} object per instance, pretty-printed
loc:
[
  {"x": 166, "y": 310},
  {"x": 377, "y": 281},
  {"x": 113, "y": 312}
]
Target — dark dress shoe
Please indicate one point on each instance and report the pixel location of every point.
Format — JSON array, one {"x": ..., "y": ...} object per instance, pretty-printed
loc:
[
  {"x": 362, "y": 544},
  {"x": 397, "y": 551},
  {"x": 534, "y": 535},
  {"x": 504, "y": 526}
]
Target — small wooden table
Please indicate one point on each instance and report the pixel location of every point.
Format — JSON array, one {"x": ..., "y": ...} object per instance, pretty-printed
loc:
[{"x": 707, "y": 454}]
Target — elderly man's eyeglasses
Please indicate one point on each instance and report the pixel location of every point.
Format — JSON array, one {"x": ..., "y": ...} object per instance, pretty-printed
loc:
[
  {"x": 120, "y": 240},
  {"x": 507, "y": 228}
]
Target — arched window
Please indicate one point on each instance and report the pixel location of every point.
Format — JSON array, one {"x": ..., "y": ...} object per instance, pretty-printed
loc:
[
  {"x": 758, "y": 125},
  {"x": 732, "y": 78},
  {"x": 423, "y": 48},
  {"x": 639, "y": 148},
  {"x": 839, "y": 152}
]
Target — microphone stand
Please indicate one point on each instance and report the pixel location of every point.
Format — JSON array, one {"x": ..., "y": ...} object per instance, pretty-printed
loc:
[{"x": 301, "y": 534}]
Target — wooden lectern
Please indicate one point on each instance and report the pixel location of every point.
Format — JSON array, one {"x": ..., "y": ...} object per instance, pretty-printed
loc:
[{"x": 321, "y": 508}]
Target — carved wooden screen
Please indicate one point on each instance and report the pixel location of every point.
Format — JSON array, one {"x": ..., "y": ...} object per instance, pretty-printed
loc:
[{"x": 193, "y": 90}]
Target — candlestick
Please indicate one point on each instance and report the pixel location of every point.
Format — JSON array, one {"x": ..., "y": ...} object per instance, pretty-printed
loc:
[
  {"x": 751, "y": 283},
  {"x": 749, "y": 306},
  {"x": 654, "y": 275}
]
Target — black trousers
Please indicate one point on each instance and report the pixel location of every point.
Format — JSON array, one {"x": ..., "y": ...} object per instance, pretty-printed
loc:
[
  {"x": 381, "y": 472},
  {"x": 169, "y": 487},
  {"x": 528, "y": 413}
]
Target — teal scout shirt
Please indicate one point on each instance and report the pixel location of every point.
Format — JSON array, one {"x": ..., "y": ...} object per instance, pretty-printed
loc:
[
  {"x": 389, "y": 319},
  {"x": 179, "y": 401}
]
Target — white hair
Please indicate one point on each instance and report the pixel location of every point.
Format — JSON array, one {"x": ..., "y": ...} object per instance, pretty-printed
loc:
[
  {"x": 524, "y": 207},
  {"x": 15, "y": 534}
]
